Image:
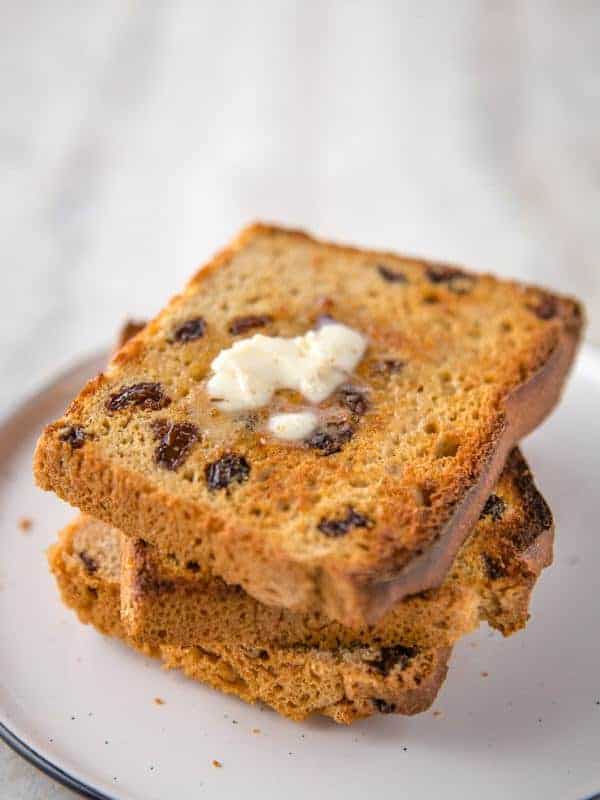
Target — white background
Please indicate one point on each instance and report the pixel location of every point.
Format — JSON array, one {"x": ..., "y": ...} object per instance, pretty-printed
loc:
[{"x": 135, "y": 138}]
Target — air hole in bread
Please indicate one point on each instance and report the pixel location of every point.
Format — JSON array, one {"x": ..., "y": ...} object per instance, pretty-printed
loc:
[
  {"x": 447, "y": 447},
  {"x": 431, "y": 427},
  {"x": 423, "y": 494},
  {"x": 431, "y": 298}
]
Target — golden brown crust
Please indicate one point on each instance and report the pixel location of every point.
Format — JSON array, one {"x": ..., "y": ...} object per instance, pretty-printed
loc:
[
  {"x": 491, "y": 579},
  {"x": 424, "y": 501},
  {"x": 343, "y": 683}
]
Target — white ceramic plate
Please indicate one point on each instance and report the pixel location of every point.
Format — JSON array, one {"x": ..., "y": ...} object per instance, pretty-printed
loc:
[{"x": 520, "y": 718}]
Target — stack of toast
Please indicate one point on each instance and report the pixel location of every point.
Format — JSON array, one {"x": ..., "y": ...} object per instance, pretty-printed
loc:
[{"x": 331, "y": 573}]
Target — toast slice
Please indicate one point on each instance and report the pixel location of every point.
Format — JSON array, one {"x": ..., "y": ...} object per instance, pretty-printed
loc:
[
  {"x": 491, "y": 579},
  {"x": 344, "y": 683},
  {"x": 458, "y": 368}
]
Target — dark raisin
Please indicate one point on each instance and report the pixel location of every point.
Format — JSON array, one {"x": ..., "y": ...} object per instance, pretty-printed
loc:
[
  {"x": 244, "y": 324},
  {"x": 74, "y": 435},
  {"x": 227, "y": 469},
  {"x": 388, "y": 366},
  {"x": 494, "y": 507},
  {"x": 383, "y": 706},
  {"x": 456, "y": 280},
  {"x": 340, "y": 527},
  {"x": 354, "y": 399},
  {"x": 494, "y": 567},
  {"x": 190, "y": 330},
  {"x": 193, "y": 566},
  {"x": 149, "y": 396},
  {"x": 545, "y": 308},
  {"x": 390, "y": 275},
  {"x": 389, "y": 657},
  {"x": 176, "y": 439},
  {"x": 89, "y": 563},
  {"x": 330, "y": 438}
]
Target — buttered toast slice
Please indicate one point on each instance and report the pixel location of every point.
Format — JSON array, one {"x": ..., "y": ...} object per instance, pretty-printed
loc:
[
  {"x": 344, "y": 683},
  {"x": 374, "y": 503}
]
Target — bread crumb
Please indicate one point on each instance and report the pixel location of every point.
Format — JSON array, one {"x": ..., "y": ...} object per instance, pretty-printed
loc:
[
  {"x": 25, "y": 524},
  {"x": 255, "y": 730},
  {"x": 484, "y": 674},
  {"x": 216, "y": 763},
  {"x": 438, "y": 713},
  {"x": 159, "y": 701}
]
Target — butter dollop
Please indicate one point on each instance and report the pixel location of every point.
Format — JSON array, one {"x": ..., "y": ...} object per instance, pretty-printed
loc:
[
  {"x": 292, "y": 425},
  {"x": 247, "y": 374}
]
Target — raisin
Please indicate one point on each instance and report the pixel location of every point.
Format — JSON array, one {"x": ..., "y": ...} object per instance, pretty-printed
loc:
[
  {"x": 388, "y": 366},
  {"x": 494, "y": 507},
  {"x": 383, "y": 706},
  {"x": 545, "y": 308},
  {"x": 456, "y": 280},
  {"x": 392, "y": 656},
  {"x": 149, "y": 396},
  {"x": 176, "y": 439},
  {"x": 74, "y": 435},
  {"x": 231, "y": 467},
  {"x": 340, "y": 527},
  {"x": 330, "y": 438},
  {"x": 244, "y": 324},
  {"x": 353, "y": 399},
  {"x": 263, "y": 655},
  {"x": 390, "y": 275},
  {"x": 193, "y": 566},
  {"x": 494, "y": 567},
  {"x": 190, "y": 330},
  {"x": 89, "y": 563}
]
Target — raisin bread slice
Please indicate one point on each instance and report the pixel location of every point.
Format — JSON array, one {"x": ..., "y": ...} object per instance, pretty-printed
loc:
[
  {"x": 458, "y": 368},
  {"x": 344, "y": 683},
  {"x": 491, "y": 579}
]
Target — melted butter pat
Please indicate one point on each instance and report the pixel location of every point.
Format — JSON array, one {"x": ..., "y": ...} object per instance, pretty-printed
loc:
[
  {"x": 292, "y": 426},
  {"x": 246, "y": 375}
]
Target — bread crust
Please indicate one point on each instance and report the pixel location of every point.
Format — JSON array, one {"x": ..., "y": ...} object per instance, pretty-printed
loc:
[
  {"x": 345, "y": 684},
  {"x": 491, "y": 579},
  {"x": 354, "y": 590}
]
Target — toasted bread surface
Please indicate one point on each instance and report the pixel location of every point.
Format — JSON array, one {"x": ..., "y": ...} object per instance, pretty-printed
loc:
[
  {"x": 458, "y": 368},
  {"x": 492, "y": 579},
  {"x": 342, "y": 683}
]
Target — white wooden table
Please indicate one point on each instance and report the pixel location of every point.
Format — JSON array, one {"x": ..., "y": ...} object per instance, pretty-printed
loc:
[{"x": 136, "y": 137}]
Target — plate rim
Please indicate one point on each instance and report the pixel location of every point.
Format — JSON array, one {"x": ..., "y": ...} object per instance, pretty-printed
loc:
[
  {"x": 48, "y": 768},
  {"x": 16, "y": 743}
]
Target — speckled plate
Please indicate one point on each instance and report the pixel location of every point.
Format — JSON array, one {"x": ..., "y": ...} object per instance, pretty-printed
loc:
[{"x": 517, "y": 718}]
